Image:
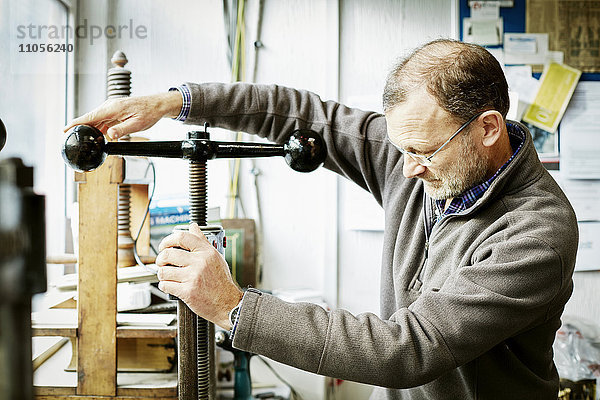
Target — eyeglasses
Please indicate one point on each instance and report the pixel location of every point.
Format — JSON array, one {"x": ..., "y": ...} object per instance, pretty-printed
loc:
[{"x": 426, "y": 160}]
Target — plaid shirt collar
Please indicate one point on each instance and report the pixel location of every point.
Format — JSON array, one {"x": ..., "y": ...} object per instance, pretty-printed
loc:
[{"x": 469, "y": 197}]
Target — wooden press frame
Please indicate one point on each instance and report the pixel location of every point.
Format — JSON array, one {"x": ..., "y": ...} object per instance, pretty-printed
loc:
[{"x": 96, "y": 332}]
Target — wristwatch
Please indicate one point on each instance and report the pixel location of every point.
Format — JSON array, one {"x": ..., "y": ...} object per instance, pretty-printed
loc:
[{"x": 233, "y": 314}]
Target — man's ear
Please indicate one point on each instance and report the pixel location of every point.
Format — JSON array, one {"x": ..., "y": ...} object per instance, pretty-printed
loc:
[{"x": 492, "y": 123}]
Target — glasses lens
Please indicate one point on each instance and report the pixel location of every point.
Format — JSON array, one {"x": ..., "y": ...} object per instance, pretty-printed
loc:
[{"x": 420, "y": 159}]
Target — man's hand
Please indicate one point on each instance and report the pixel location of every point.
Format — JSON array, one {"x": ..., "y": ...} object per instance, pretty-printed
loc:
[
  {"x": 119, "y": 117},
  {"x": 198, "y": 275}
]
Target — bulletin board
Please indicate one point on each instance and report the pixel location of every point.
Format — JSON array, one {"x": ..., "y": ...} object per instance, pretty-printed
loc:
[{"x": 573, "y": 27}]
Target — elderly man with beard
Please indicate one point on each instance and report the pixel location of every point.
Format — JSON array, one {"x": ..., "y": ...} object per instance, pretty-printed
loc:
[{"x": 479, "y": 242}]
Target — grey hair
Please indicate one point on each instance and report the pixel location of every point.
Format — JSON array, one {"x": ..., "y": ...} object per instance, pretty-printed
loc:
[{"x": 463, "y": 78}]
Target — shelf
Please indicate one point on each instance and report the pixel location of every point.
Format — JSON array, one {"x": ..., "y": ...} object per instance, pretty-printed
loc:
[
  {"x": 146, "y": 332},
  {"x": 138, "y": 332},
  {"x": 51, "y": 380},
  {"x": 62, "y": 323},
  {"x": 64, "y": 331}
]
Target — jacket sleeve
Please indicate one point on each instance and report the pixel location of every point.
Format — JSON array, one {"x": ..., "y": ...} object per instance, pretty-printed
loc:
[
  {"x": 508, "y": 290},
  {"x": 357, "y": 145}
]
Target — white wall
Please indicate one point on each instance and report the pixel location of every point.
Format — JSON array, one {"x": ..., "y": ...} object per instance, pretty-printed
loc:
[
  {"x": 340, "y": 49},
  {"x": 373, "y": 35}
]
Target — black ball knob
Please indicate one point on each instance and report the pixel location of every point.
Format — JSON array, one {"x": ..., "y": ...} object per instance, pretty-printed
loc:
[
  {"x": 305, "y": 150},
  {"x": 2, "y": 135},
  {"x": 85, "y": 148}
]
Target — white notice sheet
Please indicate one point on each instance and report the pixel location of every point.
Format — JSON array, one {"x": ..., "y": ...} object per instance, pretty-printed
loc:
[
  {"x": 588, "y": 253},
  {"x": 580, "y": 134}
]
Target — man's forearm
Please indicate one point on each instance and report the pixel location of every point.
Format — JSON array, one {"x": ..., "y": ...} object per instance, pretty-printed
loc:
[{"x": 171, "y": 102}]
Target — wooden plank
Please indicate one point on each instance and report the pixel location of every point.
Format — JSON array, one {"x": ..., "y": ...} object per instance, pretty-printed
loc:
[
  {"x": 45, "y": 347},
  {"x": 139, "y": 203},
  {"x": 97, "y": 289},
  {"x": 72, "y": 258},
  {"x": 140, "y": 394},
  {"x": 153, "y": 394},
  {"x": 135, "y": 332},
  {"x": 59, "y": 393},
  {"x": 166, "y": 396},
  {"x": 122, "y": 332},
  {"x": 53, "y": 392},
  {"x": 118, "y": 170},
  {"x": 162, "y": 397},
  {"x": 58, "y": 331}
]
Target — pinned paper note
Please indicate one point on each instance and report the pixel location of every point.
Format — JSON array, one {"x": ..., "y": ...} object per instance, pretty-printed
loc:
[
  {"x": 485, "y": 32},
  {"x": 557, "y": 85},
  {"x": 580, "y": 142},
  {"x": 485, "y": 9},
  {"x": 588, "y": 253},
  {"x": 525, "y": 48},
  {"x": 520, "y": 80}
]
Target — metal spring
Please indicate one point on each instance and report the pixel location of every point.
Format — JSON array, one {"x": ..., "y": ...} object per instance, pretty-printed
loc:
[
  {"x": 118, "y": 84},
  {"x": 198, "y": 192},
  {"x": 124, "y": 213},
  {"x": 198, "y": 210},
  {"x": 204, "y": 364}
]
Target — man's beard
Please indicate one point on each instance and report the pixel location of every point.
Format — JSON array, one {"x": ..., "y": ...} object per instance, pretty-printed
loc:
[{"x": 466, "y": 172}]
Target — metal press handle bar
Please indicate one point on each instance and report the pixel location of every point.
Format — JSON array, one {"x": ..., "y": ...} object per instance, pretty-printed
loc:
[{"x": 85, "y": 149}]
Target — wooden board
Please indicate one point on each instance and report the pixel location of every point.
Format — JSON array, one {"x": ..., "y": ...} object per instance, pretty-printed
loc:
[
  {"x": 97, "y": 289},
  {"x": 139, "y": 355},
  {"x": 139, "y": 203}
]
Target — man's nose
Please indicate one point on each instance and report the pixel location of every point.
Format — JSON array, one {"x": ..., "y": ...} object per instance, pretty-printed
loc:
[{"x": 411, "y": 168}]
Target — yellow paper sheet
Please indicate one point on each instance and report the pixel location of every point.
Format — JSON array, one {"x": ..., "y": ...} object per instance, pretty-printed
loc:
[{"x": 556, "y": 88}]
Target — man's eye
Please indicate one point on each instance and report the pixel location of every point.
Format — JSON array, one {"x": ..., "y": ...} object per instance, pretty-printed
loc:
[{"x": 417, "y": 152}]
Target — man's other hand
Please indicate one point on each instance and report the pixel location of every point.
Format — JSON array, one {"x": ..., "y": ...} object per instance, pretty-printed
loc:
[{"x": 194, "y": 271}]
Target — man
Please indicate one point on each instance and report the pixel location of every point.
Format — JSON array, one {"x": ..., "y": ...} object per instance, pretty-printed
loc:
[{"x": 479, "y": 244}]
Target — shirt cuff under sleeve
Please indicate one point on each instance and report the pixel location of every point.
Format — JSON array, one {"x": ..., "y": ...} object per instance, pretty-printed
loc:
[
  {"x": 253, "y": 292},
  {"x": 186, "y": 96}
]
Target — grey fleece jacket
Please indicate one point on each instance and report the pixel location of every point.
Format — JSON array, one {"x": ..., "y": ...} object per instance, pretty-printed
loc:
[{"x": 468, "y": 313}]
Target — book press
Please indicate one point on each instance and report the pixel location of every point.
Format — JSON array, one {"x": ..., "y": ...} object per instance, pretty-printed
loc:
[{"x": 85, "y": 150}]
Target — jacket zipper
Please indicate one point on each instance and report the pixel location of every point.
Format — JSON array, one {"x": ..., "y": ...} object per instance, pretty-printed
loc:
[
  {"x": 426, "y": 218},
  {"x": 428, "y": 236}
]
